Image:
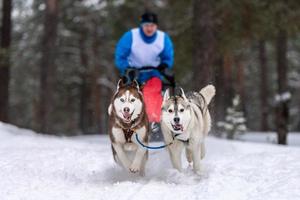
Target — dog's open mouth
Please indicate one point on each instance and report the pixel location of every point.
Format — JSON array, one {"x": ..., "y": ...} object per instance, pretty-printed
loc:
[
  {"x": 177, "y": 127},
  {"x": 127, "y": 116}
]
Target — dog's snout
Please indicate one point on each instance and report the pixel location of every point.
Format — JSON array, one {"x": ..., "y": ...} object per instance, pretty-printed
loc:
[
  {"x": 126, "y": 109},
  {"x": 176, "y": 119}
]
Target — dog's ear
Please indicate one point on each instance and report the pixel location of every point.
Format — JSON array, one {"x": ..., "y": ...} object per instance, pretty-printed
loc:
[
  {"x": 167, "y": 95},
  {"x": 135, "y": 84},
  {"x": 109, "y": 109},
  {"x": 182, "y": 94},
  {"x": 121, "y": 82}
]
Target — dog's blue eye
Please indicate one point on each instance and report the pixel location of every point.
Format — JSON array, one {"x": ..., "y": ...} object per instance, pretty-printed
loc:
[
  {"x": 122, "y": 100},
  {"x": 181, "y": 110},
  {"x": 170, "y": 110},
  {"x": 132, "y": 100}
]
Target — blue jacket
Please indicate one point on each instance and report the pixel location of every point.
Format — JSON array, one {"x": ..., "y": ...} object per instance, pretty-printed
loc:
[{"x": 123, "y": 50}]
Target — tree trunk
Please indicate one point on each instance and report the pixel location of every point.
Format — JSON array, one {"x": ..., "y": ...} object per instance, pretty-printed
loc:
[
  {"x": 240, "y": 83},
  {"x": 204, "y": 40},
  {"x": 219, "y": 112},
  {"x": 47, "y": 67},
  {"x": 228, "y": 78},
  {"x": 264, "y": 92},
  {"x": 96, "y": 89},
  {"x": 282, "y": 112},
  {"x": 84, "y": 90},
  {"x": 240, "y": 80},
  {"x": 4, "y": 59}
]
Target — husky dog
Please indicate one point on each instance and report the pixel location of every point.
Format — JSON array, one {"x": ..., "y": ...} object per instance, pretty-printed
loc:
[
  {"x": 185, "y": 122},
  {"x": 127, "y": 117}
]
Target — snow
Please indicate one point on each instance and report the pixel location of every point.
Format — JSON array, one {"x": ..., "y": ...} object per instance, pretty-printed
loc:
[
  {"x": 283, "y": 97},
  {"x": 293, "y": 138},
  {"x": 39, "y": 167}
]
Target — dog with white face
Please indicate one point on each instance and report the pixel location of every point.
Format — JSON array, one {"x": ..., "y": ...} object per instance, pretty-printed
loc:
[
  {"x": 185, "y": 122},
  {"x": 127, "y": 117}
]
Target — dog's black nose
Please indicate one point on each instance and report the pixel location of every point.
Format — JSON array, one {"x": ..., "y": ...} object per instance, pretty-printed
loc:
[
  {"x": 126, "y": 109},
  {"x": 176, "y": 120}
]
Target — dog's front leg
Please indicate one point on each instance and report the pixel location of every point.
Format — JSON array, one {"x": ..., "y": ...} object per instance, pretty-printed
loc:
[
  {"x": 140, "y": 153},
  {"x": 196, "y": 154},
  {"x": 121, "y": 155},
  {"x": 137, "y": 162},
  {"x": 175, "y": 151}
]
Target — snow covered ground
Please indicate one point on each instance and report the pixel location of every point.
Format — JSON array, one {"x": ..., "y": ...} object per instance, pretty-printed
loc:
[
  {"x": 293, "y": 138},
  {"x": 37, "y": 167}
]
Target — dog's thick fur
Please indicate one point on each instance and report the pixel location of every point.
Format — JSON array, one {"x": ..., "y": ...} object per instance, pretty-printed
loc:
[
  {"x": 185, "y": 122},
  {"x": 127, "y": 117}
]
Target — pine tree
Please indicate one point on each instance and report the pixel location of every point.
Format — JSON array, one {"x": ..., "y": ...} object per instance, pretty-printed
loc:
[{"x": 235, "y": 122}]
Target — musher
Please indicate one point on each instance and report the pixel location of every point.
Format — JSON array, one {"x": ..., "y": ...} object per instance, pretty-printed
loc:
[{"x": 146, "y": 46}]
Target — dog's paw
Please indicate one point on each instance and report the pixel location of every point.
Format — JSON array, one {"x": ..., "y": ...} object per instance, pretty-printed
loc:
[
  {"x": 134, "y": 168},
  {"x": 199, "y": 172}
]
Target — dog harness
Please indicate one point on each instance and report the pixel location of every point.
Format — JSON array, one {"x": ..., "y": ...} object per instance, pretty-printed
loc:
[
  {"x": 128, "y": 134},
  {"x": 186, "y": 142}
]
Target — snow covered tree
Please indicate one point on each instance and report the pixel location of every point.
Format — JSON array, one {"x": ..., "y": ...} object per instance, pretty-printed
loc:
[{"x": 235, "y": 122}]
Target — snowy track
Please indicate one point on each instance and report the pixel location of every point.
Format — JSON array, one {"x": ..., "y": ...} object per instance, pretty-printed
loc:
[{"x": 36, "y": 167}]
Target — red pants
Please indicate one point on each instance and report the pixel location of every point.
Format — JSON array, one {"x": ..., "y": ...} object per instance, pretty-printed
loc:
[{"x": 153, "y": 99}]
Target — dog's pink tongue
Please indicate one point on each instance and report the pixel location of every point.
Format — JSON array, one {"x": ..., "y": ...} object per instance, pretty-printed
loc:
[
  {"x": 126, "y": 115},
  {"x": 179, "y": 126}
]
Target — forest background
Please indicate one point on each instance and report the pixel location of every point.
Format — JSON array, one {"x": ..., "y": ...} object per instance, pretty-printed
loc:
[{"x": 57, "y": 71}]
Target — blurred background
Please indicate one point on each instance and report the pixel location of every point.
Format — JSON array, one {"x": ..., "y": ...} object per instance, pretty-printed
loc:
[{"x": 57, "y": 71}]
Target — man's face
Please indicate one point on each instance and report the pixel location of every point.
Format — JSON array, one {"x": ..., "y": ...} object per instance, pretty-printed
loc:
[{"x": 149, "y": 29}]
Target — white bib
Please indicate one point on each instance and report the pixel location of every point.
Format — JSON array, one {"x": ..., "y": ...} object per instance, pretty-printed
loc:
[{"x": 144, "y": 54}]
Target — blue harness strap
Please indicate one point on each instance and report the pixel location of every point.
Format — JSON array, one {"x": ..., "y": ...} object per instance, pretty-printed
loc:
[{"x": 149, "y": 147}]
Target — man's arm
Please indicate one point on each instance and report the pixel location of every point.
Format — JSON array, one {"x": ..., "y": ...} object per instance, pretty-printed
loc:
[
  {"x": 122, "y": 52},
  {"x": 167, "y": 55}
]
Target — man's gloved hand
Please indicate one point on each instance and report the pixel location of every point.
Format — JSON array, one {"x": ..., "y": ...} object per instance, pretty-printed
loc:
[
  {"x": 131, "y": 74},
  {"x": 167, "y": 73},
  {"x": 162, "y": 66}
]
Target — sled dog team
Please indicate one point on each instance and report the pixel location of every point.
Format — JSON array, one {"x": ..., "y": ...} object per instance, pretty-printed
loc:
[{"x": 185, "y": 122}]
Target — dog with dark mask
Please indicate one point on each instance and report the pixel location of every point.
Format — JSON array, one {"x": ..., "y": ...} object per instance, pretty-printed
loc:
[{"x": 127, "y": 117}]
